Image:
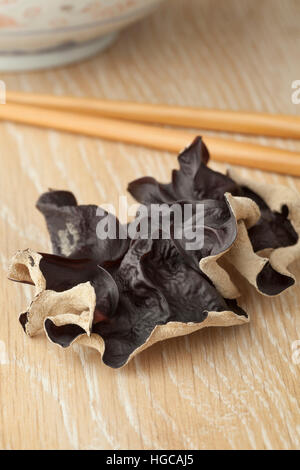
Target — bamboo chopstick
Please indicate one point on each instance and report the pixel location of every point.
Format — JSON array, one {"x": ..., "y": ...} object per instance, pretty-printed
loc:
[
  {"x": 230, "y": 121},
  {"x": 222, "y": 150}
]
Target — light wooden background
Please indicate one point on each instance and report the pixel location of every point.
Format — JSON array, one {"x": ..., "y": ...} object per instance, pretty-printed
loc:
[{"x": 234, "y": 388}]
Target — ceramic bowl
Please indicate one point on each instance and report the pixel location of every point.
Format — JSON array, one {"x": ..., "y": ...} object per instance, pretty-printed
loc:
[{"x": 37, "y": 34}]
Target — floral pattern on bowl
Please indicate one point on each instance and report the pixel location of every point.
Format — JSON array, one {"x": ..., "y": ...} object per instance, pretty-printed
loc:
[
  {"x": 30, "y": 29},
  {"x": 30, "y": 15}
]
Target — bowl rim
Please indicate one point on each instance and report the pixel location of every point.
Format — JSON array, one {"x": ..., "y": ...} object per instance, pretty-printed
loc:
[{"x": 106, "y": 22}]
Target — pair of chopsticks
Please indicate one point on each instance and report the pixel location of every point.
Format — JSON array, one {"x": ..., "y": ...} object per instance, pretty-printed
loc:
[{"x": 129, "y": 123}]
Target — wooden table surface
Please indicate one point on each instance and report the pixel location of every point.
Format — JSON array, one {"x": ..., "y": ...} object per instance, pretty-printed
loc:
[{"x": 235, "y": 388}]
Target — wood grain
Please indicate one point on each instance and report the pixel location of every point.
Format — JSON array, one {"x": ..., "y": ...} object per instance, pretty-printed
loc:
[{"x": 234, "y": 388}]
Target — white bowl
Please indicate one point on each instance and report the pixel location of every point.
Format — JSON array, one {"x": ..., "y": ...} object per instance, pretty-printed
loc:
[{"x": 36, "y": 34}]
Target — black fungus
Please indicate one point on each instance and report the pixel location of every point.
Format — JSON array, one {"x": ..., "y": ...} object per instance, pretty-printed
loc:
[{"x": 150, "y": 283}]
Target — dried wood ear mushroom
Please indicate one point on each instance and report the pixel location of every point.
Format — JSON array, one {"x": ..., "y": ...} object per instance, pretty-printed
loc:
[{"x": 124, "y": 293}]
